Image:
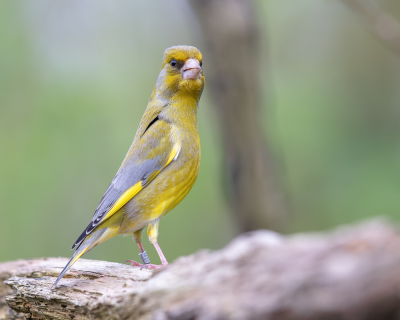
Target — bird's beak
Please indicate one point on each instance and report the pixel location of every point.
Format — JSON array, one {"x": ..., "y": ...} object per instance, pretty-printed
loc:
[{"x": 191, "y": 69}]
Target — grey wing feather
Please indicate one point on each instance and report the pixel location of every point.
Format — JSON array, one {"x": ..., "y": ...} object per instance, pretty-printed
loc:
[
  {"x": 127, "y": 176},
  {"x": 133, "y": 170}
]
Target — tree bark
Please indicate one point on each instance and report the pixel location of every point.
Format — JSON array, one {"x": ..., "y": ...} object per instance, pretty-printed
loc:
[
  {"x": 352, "y": 273},
  {"x": 232, "y": 68}
]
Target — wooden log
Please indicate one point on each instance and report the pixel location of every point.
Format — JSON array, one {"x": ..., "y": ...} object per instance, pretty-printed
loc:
[{"x": 352, "y": 273}]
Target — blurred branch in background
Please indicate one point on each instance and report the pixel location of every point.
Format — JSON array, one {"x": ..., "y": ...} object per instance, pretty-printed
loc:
[
  {"x": 231, "y": 35},
  {"x": 383, "y": 25}
]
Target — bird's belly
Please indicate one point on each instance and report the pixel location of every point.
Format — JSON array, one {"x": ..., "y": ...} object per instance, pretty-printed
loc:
[{"x": 163, "y": 194}]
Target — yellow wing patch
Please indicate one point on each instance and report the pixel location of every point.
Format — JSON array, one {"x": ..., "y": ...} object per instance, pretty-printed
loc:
[
  {"x": 122, "y": 200},
  {"x": 134, "y": 190},
  {"x": 174, "y": 153}
]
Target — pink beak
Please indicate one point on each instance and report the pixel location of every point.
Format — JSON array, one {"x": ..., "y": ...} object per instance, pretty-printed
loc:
[{"x": 191, "y": 69}]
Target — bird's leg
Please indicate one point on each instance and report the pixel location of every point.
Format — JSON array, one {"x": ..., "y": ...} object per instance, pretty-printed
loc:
[
  {"x": 137, "y": 235},
  {"x": 164, "y": 261},
  {"x": 152, "y": 232},
  {"x": 139, "y": 243}
]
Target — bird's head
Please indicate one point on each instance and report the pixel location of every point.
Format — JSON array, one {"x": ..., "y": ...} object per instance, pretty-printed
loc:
[{"x": 181, "y": 73}]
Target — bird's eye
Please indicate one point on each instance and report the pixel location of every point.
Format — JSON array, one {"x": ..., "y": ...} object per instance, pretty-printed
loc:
[
  {"x": 201, "y": 63},
  {"x": 173, "y": 63}
]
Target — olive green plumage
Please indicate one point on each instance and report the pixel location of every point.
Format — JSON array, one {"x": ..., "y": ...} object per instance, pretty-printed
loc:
[{"x": 162, "y": 163}]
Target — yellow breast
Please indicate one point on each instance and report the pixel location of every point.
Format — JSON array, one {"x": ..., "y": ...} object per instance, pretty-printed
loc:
[{"x": 170, "y": 186}]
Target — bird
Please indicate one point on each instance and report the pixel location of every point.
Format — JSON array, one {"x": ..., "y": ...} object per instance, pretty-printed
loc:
[{"x": 160, "y": 167}]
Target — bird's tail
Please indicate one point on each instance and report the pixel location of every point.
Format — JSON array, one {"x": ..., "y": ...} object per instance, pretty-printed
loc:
[
  {"x": 89, "y": 243},
  {"x": 78, "y": 253}
]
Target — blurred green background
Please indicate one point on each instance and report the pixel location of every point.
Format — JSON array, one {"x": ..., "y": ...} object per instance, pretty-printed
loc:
[{"x": 75, "y": 78}]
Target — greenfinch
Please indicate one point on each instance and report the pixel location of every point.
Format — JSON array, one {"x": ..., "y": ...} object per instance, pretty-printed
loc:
[{"x": 161, "y": 165}]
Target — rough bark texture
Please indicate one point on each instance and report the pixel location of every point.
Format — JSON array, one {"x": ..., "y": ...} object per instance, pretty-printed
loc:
[
  {"x": 352, "y": 274},
  {"x": 232, "y": 69}
]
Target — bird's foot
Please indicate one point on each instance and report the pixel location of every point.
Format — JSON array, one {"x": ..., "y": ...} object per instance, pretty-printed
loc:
[{"x": 147, "y": 265}]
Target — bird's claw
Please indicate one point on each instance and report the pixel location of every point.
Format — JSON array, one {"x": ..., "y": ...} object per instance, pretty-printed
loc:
[{"x": 147, "y": 265}]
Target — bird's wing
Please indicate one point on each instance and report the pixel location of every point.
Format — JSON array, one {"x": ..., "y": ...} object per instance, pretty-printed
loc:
[{"x": 148, "y": 155}]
